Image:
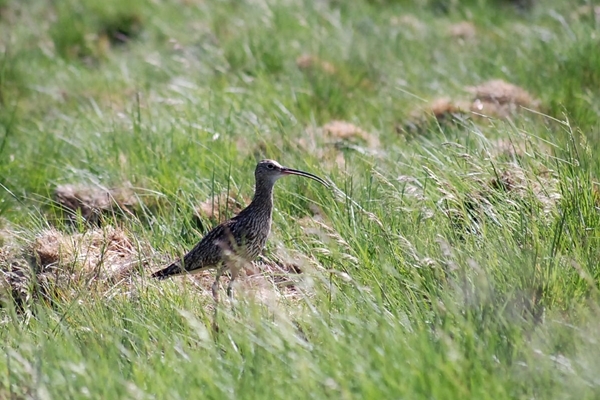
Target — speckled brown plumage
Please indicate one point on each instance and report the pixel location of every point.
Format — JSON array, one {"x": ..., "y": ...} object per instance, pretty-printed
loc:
[{"x": 240, "y": 239}]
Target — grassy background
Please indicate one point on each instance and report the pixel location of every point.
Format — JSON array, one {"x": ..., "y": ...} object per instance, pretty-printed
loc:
[{"x": 424, "y": 286}]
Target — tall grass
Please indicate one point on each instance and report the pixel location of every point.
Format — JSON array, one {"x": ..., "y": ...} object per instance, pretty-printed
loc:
[{"x": 442, "y": 266}]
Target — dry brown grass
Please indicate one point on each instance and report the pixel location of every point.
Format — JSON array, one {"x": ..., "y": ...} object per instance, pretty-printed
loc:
[
  {"x": 57, "y": 265},
  {"x": 106, "y": 254},
  {"x": 587, "y": 11},
  {"x": 91, "y": 202},
  {"x": 219, "y": 208},
  {"x": 445, "y": 108},
  {"x": 346, "y": 131},
  {"x": 517, "y": 148},
  {"x": 464, "y": 30},
  {"x": 492, "y": 99},
  {"x": 326, "y": 142},
  {"x": 15, "y": 271},
  {"x": 409, "y": 21},
  {"x": 277, "y": 277},
  {"x": 308, "y": 62},
  {"x": 596, "y": 194},
  {"x": 526, "y": 186},
  {"x": 513, "y": 186},
  {"x": 519, "y": 180},
  {"x": 500, "y": 99},
  {"x": 270, "y": 280}
]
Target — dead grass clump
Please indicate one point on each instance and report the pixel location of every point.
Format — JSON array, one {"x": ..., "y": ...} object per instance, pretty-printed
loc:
[
  {"x": 517, "y": 148},
  {"x": 282, "y": 263},
  {"x": 57, "y": 265},
  {"x": 219, "y": 208},
  {"x": 91, "y": 202},
  {"x": 587, "y": 12},
  {"x": 105, "y": 255},
  {"x": 278, "y": 276},
  {"x": 307, "y": 62},
  {"x": 343, "y": 130},
  {"x": 495, "y": 98},
  {"x": 409, "y": 21},
  {"x": 328, "y": 141},
  {"x": 513, "y": 186},
  {"x": 15, "y": 272},
  {"x": 596, "y": 194},
  {"x": 444, "y": 110},
  {"x": 500, "y": 99},
  {"x": 47, "y": 249},
  {"x": 523, "y": 185},
  {"x": 268, "y": 279},
  {"x": 463, "y": 30}
]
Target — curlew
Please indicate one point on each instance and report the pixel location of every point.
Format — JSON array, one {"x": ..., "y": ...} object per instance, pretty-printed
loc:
[{"x": 240, "y": 239}]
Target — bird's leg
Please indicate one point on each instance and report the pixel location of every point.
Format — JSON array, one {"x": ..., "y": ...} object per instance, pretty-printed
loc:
[
  {"x": 215, "y": 285},
  {"x": 234, "y": 274}
]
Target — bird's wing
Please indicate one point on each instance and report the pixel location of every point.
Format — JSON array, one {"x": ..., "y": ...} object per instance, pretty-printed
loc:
[{"x": 208, "y": 253}]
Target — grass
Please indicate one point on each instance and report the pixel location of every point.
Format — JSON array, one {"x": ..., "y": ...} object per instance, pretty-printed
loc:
[{"x": 456, "y": 261}]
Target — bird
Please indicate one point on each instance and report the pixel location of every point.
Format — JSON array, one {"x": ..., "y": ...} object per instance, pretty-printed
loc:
[{"x": 240, "y": 239}]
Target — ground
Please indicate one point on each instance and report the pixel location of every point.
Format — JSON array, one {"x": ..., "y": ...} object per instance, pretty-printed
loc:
[{"x": 455, "y": 256}]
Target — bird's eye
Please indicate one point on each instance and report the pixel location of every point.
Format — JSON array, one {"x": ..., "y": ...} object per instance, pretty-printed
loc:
[{"x": 270, "y": 166}]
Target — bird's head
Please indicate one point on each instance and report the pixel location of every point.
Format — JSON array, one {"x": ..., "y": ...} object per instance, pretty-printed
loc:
[{"x": 268, "y": 171}]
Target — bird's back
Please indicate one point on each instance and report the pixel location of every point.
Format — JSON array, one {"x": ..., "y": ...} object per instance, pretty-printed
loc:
[{"x": 244, "y": 235}]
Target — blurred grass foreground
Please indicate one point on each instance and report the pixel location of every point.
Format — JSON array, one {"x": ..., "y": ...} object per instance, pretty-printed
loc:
[{"x": 460, "y": 257}]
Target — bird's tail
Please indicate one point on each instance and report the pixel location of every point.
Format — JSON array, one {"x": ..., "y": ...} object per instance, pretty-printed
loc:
[{"x": 171, "y": 270}]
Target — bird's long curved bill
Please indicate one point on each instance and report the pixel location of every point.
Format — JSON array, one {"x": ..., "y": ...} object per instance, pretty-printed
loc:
[{"x": 290, "y": 171}]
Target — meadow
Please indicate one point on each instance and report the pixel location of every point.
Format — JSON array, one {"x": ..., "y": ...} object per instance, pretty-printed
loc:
[{"x": 458, "y": 255}]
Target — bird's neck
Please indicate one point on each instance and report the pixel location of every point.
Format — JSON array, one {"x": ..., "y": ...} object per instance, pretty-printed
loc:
[{"x": 263, "y": 197}]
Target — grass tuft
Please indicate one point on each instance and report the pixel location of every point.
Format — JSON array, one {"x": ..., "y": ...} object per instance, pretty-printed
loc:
[{"x": 456, "y": 255}]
